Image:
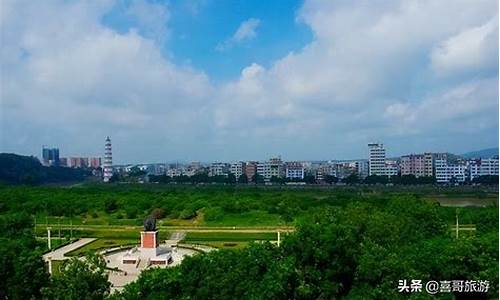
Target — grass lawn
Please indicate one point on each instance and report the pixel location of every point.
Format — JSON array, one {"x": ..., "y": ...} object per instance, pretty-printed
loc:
[
  {"x": 56, "y": 267},
  {"x": 250, "y": 218},
  {"x": 101, "y": 219},
  {"x": 102, "y": 244},
  {"x": 223, "y": 245},
  {"x": 106, "y": 232},
  {"x": 230, "y": 240},
  {"x": 230, "y": 236}
]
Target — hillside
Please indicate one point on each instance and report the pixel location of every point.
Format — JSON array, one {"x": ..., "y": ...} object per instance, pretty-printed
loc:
[
  {"x": 484, "y": 153},
  {"x": 18, "y": 169}
]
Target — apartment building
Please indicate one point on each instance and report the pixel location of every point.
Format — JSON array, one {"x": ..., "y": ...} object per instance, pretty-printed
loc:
[
  {"x": 391, "y": 168},
  {"x": 482, "y": 167},
  {"x": 218, "y": 169},
  {"x": 376, "y": 159},
  {"x": 250, "y": 169},
  {"x": 270, "y": 168},
  {"x": 237, "y": 168},
  {"x": 362, "y": 168},
  {"x": 413, "y": 164},
  {"x": 417, "y": 164},
  {"x": 446, "y": 173},
  {"x": 294, "y": 170}
]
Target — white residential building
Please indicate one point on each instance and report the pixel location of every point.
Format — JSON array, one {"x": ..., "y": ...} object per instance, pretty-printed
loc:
[
  {"x": 237, "y": 169},
  {"x": 489, "y": 166},
  {"x": 271, "y": 168},
  {"x": 390, "y": 169},
  {"x": 446, "y": 173},
  {"x": 482, "y": 167},
  {"x": 174, "y": 172},
  {"x": 263, "y": 169},
  {"x": 218, "y": 169},
  {"x": 276, "y": 168},
  {"x": 376, "y": 162},
  {"x": 362, "y": 168},
  {"x": 294, "y": 170}
]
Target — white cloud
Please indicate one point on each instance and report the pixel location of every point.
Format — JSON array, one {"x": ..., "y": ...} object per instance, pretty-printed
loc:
[
  {"x": 342, "y": 86},
  {"x": 245, "y": 32},
  {"x": 62, "y": 71},
  {"x": 473, "y": 49},
  {"x": 466, "y": 106},
  {"x": 375, "y": 70}
]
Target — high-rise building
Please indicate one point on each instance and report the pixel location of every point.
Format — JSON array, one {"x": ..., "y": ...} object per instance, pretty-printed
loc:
[
  {"x": 108, "y": 161},
  {"x": 428, "y": 164},
  {"x": 50, "y": 156},
  {"x": 376, "y": 163}
]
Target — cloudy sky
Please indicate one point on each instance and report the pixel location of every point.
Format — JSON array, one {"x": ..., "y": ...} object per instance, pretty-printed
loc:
[{"x": 226, "y": 80}]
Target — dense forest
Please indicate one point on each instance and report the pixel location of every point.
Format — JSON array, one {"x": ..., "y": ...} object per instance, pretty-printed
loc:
[
  {"x": 18, "y": 169},
  {"x": 214, "y": 205},
  {"x": 356, "y": 252},
  {"x": 353, "y": 243}
]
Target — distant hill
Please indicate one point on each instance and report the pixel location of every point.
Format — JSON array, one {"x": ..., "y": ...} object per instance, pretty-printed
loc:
[
  {"x": 18, "y": 169},
  {"x": 484, "y": 153}
]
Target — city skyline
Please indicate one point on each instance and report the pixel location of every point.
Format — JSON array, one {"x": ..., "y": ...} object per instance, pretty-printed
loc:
[
  {"x": 230, "y": 80},
  {"x": 390, "y": 155}
]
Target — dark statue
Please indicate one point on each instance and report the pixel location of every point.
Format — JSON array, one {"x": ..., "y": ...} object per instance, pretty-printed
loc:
[{"x": 150, "y": 224}]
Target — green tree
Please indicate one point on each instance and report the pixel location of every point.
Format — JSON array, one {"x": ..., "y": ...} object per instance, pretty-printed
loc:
[
  {"x": 110, "y": 205},
  {"x": 309, "y": 179},
  {"x": 277, "y": 180},
  {"x": 243, "y": 179},
  {"x": 22, "y": 270},
  {"x": 84, "y": 279},
  {"x": 351, "y": 179},
  {"x": 257, "y": 178},
  {"x": 331, "y": 179},
  {"x": 231, "y": 179}
]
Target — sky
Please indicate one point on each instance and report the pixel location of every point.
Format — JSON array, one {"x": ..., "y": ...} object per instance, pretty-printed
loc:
[{"x": 224, "y": 80}]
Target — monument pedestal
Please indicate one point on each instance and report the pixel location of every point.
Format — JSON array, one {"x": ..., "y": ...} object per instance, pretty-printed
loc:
[{"x": 149, "y": 251}]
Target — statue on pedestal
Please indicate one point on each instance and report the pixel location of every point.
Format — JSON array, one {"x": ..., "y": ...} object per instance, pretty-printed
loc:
[{"x": 150, "y": 224}]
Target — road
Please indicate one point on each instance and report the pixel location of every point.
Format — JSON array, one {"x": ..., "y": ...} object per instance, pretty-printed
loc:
[{"x": 58, "y": 254}]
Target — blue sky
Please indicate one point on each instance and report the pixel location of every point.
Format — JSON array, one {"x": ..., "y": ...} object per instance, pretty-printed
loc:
[
  {"x": 197, "y": 27},
  {"x": 228, "y": 80}
]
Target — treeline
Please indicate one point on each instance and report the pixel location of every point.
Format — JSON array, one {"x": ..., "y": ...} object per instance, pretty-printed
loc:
[
  {"x": 18, "y": 169},
  {"x": 360, "y": 251},
  {"x": 110, "y": 203}
]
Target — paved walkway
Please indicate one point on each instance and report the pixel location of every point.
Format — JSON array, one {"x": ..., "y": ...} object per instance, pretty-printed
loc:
[
  {"x": 177, "y": 235},
  {"x": 58, "y": 254}
]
